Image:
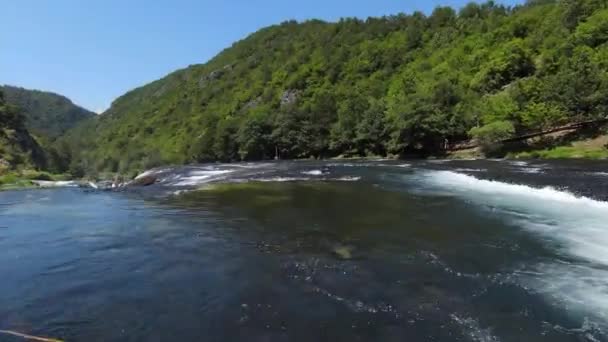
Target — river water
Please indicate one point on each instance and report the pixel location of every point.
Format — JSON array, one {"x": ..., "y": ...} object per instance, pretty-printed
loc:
[{"x": 315, "y": 251}]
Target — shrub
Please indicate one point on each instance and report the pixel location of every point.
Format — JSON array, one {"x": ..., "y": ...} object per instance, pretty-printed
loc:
[
  {"x": 37, "y": 175},
  {"x": 8, "y": 178},
  {"x": 491, "y": 135}
]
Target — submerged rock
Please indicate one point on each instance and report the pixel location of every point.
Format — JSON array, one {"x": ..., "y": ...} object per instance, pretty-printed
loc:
[{"x": 343, "y": 252}]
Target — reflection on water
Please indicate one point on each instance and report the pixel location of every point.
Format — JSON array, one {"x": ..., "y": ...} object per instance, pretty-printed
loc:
[{"x": 311, "y": 252}]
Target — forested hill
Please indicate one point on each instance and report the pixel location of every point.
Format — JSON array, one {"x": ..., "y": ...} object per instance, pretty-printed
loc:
[
  {"x": 17, "y": 147},
  {"x": 393, "y": 85},
  {"x": 47, "y": 114}
]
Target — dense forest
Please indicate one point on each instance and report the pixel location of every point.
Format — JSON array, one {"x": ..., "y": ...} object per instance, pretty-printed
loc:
[
  {"x": 31, "y": 121},
  {"x": 47, "y": 114},
  {"x": 17, "y": 147},
  {"x": 395, "y": 85}
]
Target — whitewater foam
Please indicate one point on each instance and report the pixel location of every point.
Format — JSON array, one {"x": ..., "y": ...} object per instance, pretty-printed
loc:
[
  {"x": 348, "y": 178},
  {"x": 568, "y": 283},
  {"x": 313, "y": 173},
  {"x": 361, "y": 165},
  {"x": 152, "y": 172},
  {"x": 603, "y": 174},
  {"x": 198, "y": 177},
  {"x": 55, "y": 184},
  {"x": 302, "y": 179},
  {"x": 578, "y": 226},
  {"x": 473, "y": 330},
  {"x": 518, "y": 162},
  {"x": 281, "y": 179},
  {"x": 531, "y": 170},
  {"x": 580, "y": 223},
  {"x": 464, "y": 169}
]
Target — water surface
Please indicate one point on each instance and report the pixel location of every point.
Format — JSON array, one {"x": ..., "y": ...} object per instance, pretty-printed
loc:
[{"x": 315, "y": 251}]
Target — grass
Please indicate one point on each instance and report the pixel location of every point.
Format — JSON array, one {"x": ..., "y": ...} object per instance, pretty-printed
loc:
[
  {"x": 21, "y": 179},
  {"x": 562, "y": 152},
  {"x": 471, "y": 153},
  {"x": 595, "y": 148}
]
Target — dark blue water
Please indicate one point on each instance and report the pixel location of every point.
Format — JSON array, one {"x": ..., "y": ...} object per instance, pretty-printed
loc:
[{"x": 308, "y": 251}]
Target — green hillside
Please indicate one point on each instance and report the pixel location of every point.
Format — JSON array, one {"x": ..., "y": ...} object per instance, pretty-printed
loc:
[
  {"x": 47, "y": 114},
  {"x": 399, "y": 85},
  {"x": 17, "y": 147}
]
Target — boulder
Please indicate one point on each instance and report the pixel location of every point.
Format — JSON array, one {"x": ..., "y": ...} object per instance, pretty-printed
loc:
[{"x": 144, "y": 181}]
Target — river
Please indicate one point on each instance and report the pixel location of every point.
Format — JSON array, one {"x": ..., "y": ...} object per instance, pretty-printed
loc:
[{"x": 490, "y": 250}]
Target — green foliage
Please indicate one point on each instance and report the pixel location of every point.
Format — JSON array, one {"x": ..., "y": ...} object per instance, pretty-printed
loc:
[
  {"x": 36, "y": 175},
  {"x": 399, "y": 84},
  {"x": 493, "y": 132},
  {"x": 254, "y": 138},
  {"x": 8, "y": 178},
  {"x": 594, "y": 31},
  {"x": 24, "y": 178},
  {"x": 17, "y": 147},
  {"x": 564, "y": 152},
  {"x": 45, "y": 113},
  {"x": 508, "y": 63},
  {"x": 498, "y": 107},
  {"x": 542, "y": 115},
  {"x": 489, "y": 136},
  {"x": 576, "y": 11}
]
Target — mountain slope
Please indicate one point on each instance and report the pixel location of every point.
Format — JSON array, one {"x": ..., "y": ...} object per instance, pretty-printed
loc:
[
  {"x": 17, "y": 147},
  {"x": 47, "y": 114},
  {"x": 400, "y": 84}
]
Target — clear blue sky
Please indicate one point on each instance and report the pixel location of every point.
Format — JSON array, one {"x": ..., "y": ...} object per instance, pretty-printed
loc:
[{"x": 93, "y": 51}]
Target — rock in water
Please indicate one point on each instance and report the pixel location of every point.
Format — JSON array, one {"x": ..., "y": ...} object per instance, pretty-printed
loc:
[
  {"x": 144, "y": 181},
  {"x": 343, "y": 252}
]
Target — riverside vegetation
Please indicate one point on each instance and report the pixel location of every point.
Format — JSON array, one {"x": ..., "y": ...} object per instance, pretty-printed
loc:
[
  {"x": 30, "y": 123},
  {"x": 400, "y": 85}
]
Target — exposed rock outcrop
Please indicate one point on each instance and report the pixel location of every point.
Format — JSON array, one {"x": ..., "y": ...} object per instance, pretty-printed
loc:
[
  {"x": 290, "y": 96},
  {"x": 215, "y": 75},
  {"x": 253, "y": 103}
]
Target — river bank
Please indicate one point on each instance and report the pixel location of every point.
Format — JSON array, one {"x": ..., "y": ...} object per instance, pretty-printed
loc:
[
  {"x": 562, "y": 145},
  {"x": 23, "y": 179}
]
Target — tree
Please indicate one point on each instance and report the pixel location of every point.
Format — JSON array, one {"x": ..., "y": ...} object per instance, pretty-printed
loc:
[
  {"x": 225, "y": 145},
  {"x": 254, "y": 138},
  {"x": 490, "y": 136},
  {"x": 576, "y": 11},
  {"x": 371, "y": 134},
  {"x": 344, "y": 131},
  {"x": 399, "y": 84},
  {"x": 499, "y": 107},
  {"x": 594, "y": 31},
  {"x": 542, "y": 115},
  {"x": 510, "y": 62},
  {"x": 442, "y": 17},
  {"x": 291, "y": 134}
]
